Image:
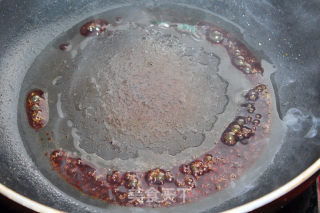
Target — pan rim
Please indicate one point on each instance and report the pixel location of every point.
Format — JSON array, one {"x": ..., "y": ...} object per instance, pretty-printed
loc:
[
  {"x": 252, "y": 205},
  {"x": 26, "y": 202}
]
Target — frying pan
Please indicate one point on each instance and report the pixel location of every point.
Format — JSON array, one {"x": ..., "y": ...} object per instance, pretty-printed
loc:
[{"x": 285, "y": 31}]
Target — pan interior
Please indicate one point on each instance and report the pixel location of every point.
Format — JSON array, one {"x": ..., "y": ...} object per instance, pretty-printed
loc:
[{"x": 141, "y": 96}]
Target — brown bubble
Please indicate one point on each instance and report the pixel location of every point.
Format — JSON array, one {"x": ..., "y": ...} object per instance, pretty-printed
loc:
[
  {"x": 208, "y": 158},
  {"x": 197, "y": 168},
  {"x": 189, "y": 182},
  {"x": 131, "y": 180},
  {"x": 114, "y": 178},
  {"x": 94, "y": 27},
  {"x": 156, "y": 176},
  {"x": 64, "y": 46},
  {"x": 169, "y": 177},
  {"x": 246, "y": 132},
  {"x": 256, "y": 122},
  {"x": 37, "y": 109},
  {"x": 258, "y": 116},
  {"x": 229, "y": 138},
  {"x": 185, "y": 169}
]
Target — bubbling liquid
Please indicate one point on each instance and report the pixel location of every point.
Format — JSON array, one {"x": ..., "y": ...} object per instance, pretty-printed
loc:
[{"x": 136, "y": 103}]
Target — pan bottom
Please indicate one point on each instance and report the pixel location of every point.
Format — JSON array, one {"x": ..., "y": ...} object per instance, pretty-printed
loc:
[{"x": 142, "y": 107}]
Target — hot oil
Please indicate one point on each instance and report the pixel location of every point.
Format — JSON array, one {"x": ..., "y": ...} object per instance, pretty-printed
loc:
[{"x": 149, "y": 92}]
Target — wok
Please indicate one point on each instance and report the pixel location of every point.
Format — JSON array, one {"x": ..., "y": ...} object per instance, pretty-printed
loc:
[{"x": 284, "y": 32}]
